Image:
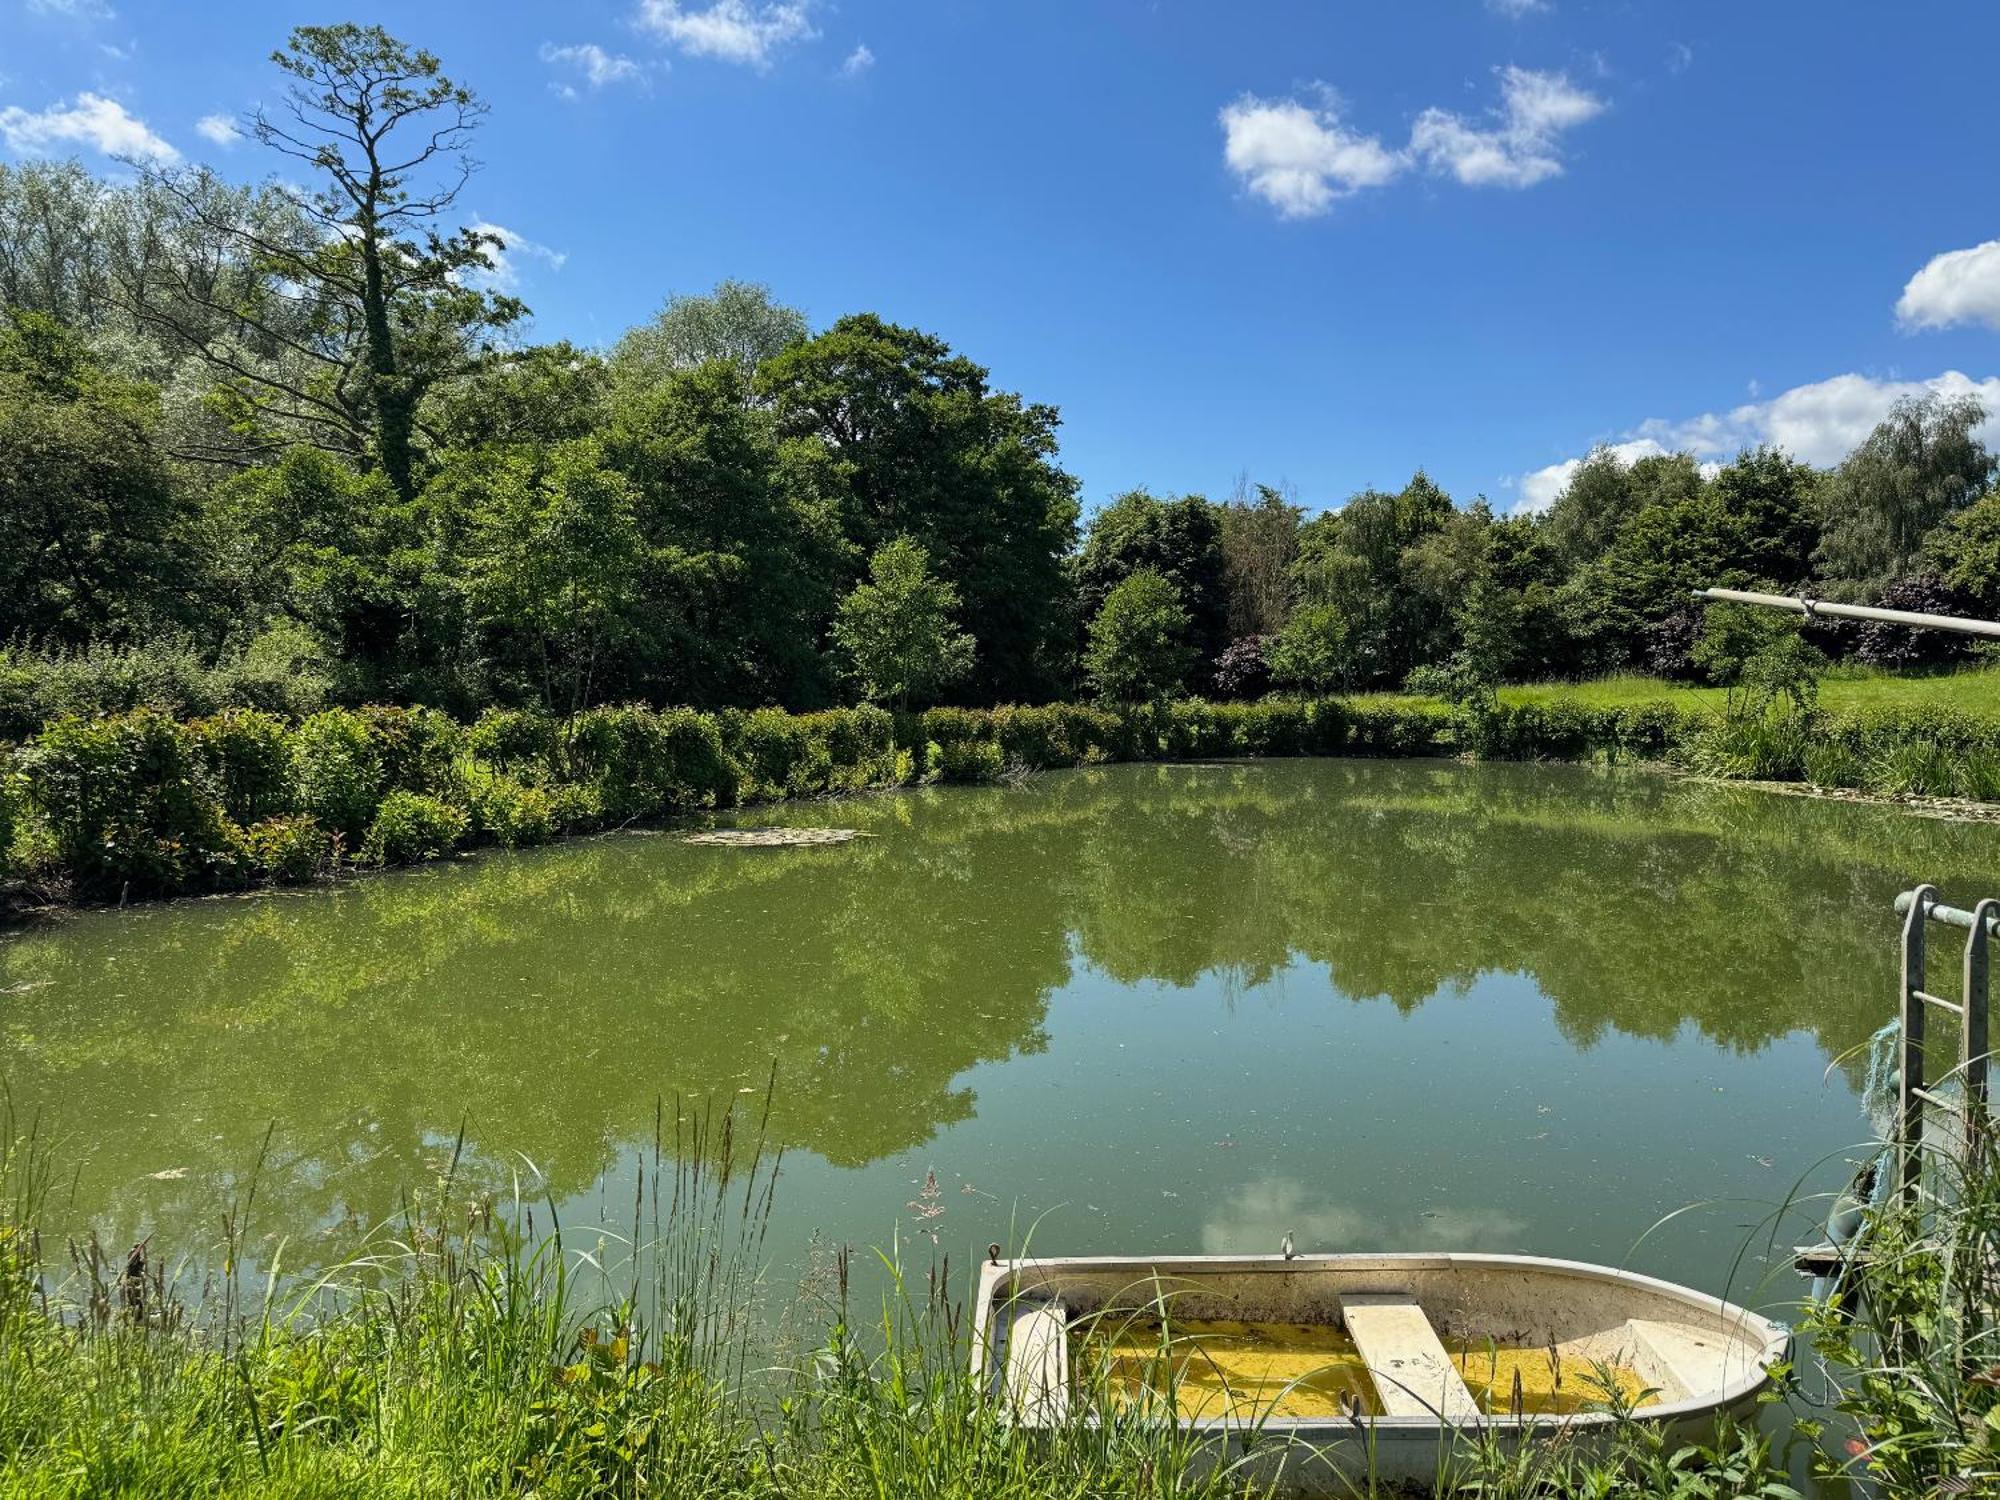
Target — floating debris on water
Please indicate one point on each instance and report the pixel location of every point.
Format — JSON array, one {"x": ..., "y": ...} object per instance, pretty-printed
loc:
[{"x": 775, "y": 838}]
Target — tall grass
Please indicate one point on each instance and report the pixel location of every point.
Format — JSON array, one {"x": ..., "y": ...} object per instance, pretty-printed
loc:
[{"x": 478, "y": 1346}]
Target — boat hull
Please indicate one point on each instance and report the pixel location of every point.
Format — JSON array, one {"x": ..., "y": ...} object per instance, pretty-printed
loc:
[{"x": 1704, "y": 1356}]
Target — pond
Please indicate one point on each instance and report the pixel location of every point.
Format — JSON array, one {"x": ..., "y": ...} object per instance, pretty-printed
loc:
[{"x": 1374, "y": 1004}]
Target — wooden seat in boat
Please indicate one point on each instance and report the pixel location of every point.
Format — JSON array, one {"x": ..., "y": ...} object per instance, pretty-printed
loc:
[{"x": 1413, "y": 1375}]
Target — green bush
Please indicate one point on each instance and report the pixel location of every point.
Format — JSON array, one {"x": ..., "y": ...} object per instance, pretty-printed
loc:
[
  {"x": 247, "y": 756},
  {"x": 289, "y": 850},
  {"x": 126, "y": 803},
  {"x": 968, "y": 761},
  {"x": 12, "y": 794},
  {"x": 418, "y": 750},
  {"x": 410, "y": 826},
  {"x": 337, "y": 771},
  {"x": 511, "y": 812},
  {"x": 1054, "y": 735},
  {"x": 644, "y": 763},
  {"x": 516, "y": 740}
]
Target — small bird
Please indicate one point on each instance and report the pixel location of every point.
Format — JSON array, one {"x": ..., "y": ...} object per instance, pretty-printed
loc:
[{"x": 1286, "y": 1249}]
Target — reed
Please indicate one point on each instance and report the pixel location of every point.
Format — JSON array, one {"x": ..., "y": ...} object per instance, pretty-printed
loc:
[{"x": 479, "y": 1346}]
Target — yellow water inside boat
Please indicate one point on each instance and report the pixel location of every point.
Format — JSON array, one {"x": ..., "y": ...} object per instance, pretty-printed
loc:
[{"x": 1245, "y": 1371}]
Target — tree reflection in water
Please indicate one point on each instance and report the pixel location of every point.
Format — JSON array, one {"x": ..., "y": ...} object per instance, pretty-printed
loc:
[{"x": 547, "y": 1000}]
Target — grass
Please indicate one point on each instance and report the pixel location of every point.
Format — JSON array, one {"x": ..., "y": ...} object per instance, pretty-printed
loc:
[
  {"x": 474, "y": 1352},
  {"x": 1971, "y": 689}
]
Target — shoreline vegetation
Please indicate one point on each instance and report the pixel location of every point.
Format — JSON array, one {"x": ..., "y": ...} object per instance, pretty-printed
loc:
[
  {"x": 141, "y": 804},
  {"x": 464, "y": 1352}
]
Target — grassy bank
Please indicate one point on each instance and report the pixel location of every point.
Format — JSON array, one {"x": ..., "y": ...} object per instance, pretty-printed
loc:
[
  {"x": 142, "y": 804},
  {"x": 467, "y": 1355}
]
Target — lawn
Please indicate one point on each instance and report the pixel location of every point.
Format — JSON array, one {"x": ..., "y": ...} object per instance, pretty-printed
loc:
[{"x": 1975, "y": 689}]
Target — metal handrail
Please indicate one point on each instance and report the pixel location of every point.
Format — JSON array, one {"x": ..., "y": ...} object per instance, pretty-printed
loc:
[
  {"x": 1799, "y": 604},
  {"x": 1919, "y": 908}
]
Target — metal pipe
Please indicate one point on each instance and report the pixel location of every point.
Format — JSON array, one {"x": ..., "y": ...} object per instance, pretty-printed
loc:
[
  {"x": 1951, "y": 916},
  {"x": 1818, "y": 608}
]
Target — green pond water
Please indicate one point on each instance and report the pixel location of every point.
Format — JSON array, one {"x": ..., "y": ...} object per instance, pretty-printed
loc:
[{"x": 1380, "y": 1005}]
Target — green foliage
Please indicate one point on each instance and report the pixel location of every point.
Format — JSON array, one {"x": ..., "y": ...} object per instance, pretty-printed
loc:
[
  {"x": 905, "y": 438},
  {"x": 337, "y": 769},
  {"x": 245, "y": 756},
  {"x": 739, "y": 324},
  {"x": 1312, "y": 653},
  {"x": 287, "y": 850},
  {"x": 899, "y": 627},
  {"x": 96, "y": 537},
  {"x": 1181, "y": 540},
  {"x": 1964, "y": 554},
  {"x": 642, "y": 763},
  {"x": 409, "y": 826},
  {"x": 1921, "y": 463},
  {"x": 1139, "y": 649},
  {"x": 511, "y": 812},
  {"x": 126, "y": 804}
]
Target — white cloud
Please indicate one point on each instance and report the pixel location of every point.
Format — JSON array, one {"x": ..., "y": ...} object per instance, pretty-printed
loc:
[
  {"x": 1300, "y": 158},
  {"x": 738, "y": 31},
  {"x": 1959, "y": 286},
  {"x": 590, "y": 63},
  {"x": 514, "y": 248},
  {"x": 84, "y": 10},
  {"x": 859, "y": 61},
  {"x": 1514, "y": 10},
  {"x": 220, "y": 129},
  {"x": 1519, "y": 146},
  {"x": 1680, "y": 56},
  {"x": 1820, "y": 423},
  {"x": 93, "y": 120}
]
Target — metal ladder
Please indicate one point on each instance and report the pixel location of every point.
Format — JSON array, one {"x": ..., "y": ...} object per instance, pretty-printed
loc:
[{"x": 1919, "y": 1085}]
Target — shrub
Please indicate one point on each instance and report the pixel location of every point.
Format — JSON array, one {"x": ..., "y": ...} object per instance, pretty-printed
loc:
[
  {"x": 287, "y": 668},
  {"x": 516, "y": 740},
  {"x": 126, "y": 802},
  {"x": 418, "y": 749},
  {"x": 337, "y": 771},
  {"x": 1276, "y": 726},
  {"x": 576, "y": 809},
  {"x": 645, "y": 763},
  {"x": 1901, "y": 647},
  {"x": 288, "y": 850},
  {"x": 247, "y": 756},
  {"x": 968, "y": 760},
  {"x": 513, "y": 813},
  {"x": 1057, "y": 734},
  {"x": 410, "y": 826},
  {"x": 11, "y": 794},
  {"x": 1241, "y": 671},
  {"x": 37, "y": 688}
]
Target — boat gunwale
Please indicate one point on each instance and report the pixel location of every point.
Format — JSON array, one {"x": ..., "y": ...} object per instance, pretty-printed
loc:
[{"x": 1769, "y": 1339}]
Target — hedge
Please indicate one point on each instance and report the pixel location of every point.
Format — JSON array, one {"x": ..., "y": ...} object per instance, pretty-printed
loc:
[{"x": 142, "y": 803}]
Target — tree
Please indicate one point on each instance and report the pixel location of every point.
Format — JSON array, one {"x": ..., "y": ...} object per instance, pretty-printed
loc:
[
  {"x": 738, "y": 322},
  {"x": 95, "y": 537},
  {"x": 557, "y": 573},
  {"x": 762, "y": 555},
  {"x": 1605, "y": 492},
  {"x": 1260, "y": 539},
  {"x": 1313, "y": 653},
  {"x": 1771, "y": 500},
  {"x": 1181, "y": 540},
  {"x": 364, "y": 305},
  {"x": 898, "y": 630},
  {"x": 1920, "y": 465},
  {"x": 905, "y": 438},
  {"x": 1138, "y": 648},
  {"x": 1964, "y": 553}
]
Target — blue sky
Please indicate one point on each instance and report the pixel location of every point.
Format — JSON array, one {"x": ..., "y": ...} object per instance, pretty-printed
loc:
[{"x": 1319, "y": 244}]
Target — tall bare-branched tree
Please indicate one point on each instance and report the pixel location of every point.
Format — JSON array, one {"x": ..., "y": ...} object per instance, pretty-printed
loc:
[{"x": 364, "y": 297}]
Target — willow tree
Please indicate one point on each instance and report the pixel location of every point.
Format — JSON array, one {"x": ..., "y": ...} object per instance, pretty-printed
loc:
[{"x": 370, "y": 297}]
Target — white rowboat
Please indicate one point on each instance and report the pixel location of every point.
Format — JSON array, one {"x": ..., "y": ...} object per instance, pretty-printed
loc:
[{"x": 1327, "y": 1368}]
